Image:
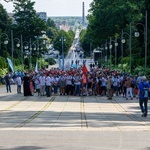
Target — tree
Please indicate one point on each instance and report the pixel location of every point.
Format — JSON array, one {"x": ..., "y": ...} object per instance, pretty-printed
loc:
[
  {"x": 29, "y": 25},
  {"x": 51, "y": 23},
  {"x": 52, "y": 29},
  {"x": 71, "y": 34},
  {"x": 4, "y": 19},
  {"x": 28, "y": 22},
  {"x": 66, "y": 43},
  {"x": 85, "y": 42},
  {"x": 108, "y": 17},
  {"x": 51, "y": 33},
  {"x": 5, "y": 23}
]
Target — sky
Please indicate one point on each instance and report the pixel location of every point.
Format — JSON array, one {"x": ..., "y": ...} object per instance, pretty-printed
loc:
[{"x": 56, "y": 7}]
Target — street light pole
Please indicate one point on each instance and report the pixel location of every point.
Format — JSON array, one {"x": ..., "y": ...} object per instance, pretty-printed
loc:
[
  {"x": 6, "y": 39},
  {"x": 110, "y": 47},
  {"x": 145, "y": 39},
  {"x": 62, "y": 43},
  {"x": 130, "y": 44},
  {"x": 106, "y": 48},
  {"x": 12, "y": 45},
  {"x": 116, "y": 44},
  {"x": 122, "y": 49},
  {"x": 30, "y": 54},
  {"x": 22, "y": 52},
  {"x": 146, "y": 43}
]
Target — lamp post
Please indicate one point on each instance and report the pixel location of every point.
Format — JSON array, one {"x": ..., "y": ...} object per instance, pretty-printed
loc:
[
  {"x": 36, "y": 46},
  {"x": 22, "y": 52},
  {"x": 12, "y": 44},
  {"x": 130, "y": 44},
  {"x": 5, "y": 41},
  {"x": 145, "y": 39},
  {"x": 110, "y": 48},
  {"x": 62, "y": 43},
  {"x": 91, "y": 51},
  {"x": 106, "y": 48},
  {"x": 116, "y": 44}
]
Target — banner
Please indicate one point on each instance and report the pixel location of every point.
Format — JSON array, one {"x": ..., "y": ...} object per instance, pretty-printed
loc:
[
  {"x": 10, "y": 64},
  {"x": 84, "y": 69},
  {"x": 36, "y": 67}
]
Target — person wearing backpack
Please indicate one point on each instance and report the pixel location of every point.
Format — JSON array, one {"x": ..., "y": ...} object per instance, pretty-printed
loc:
[{"x": 143, "y": 89}]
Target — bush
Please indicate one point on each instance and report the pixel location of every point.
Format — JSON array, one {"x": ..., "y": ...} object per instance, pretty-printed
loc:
[
  {"x": 3, "y": 63},
  {"x": 50, "y": 61}
]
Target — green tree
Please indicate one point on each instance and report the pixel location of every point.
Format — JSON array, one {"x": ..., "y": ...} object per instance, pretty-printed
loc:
[
  {"x": 4, "y": 19},
  {"x": 66, "y": 43},
  {"x": 5, "y": 23},
  {"x": 51, "y": 23},
  {"x": 29, "y": 25},
  {"x": 51, "y": 33},
  {"x": 108, "y": 17},
  {"x": 85, "y": 42},
  {"x": 72, "y": 34},
  {"x": 28, "y": 22},
  {"x": 52, "y": 29}
]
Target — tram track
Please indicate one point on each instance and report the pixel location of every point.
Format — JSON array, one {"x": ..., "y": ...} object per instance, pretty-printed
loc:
[
  {"x": 35, "y": 115},
  {"x": 115, "y": 125},
  {"x": 13, "y": 105},
  {"x": 14, "y": 114},
  {"x": 130, "y": 115},
  {"x": 84, "y": 122},
  {"x": 60, "y": 113}
]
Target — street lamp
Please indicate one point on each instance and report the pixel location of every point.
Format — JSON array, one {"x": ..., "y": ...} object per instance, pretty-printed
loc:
[
  {"x": 23, "y": 47},
  {"x": 106, "y": 48},
  {"x": 12, "y": 44},
  {"x": 62, "y": 43},
  {"x": 110, "y": 52},
  {"x": 116, "y": 44},
  {"x": 137, "y": 34},
  {"x": 5, "y": 41},
  {"x": 130, "y": 44}
]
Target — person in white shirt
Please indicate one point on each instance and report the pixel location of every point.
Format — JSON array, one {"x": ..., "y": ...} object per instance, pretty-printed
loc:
[
  {"x": 42, "y": 84},
  {"x": 103, "y": 85},
  {"x": 115, "y": 85},
  {"x": 77, "y": 83},
  {"x": 55, "y": 84},
  {"x": 68, "y": 84},
  {"x": 48, "y": 84},
  {"x": 62, "y": 84},
  {"x": 18, "y": 82}
]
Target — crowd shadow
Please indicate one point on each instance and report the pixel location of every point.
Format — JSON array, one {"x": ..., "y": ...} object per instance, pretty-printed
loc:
[{"x": 23, "y": 148}]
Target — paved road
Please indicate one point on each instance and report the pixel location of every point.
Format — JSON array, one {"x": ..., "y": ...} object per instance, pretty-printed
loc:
[{"x": 71, "y": 123}]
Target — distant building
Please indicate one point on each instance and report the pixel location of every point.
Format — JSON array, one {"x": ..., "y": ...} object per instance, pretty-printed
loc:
[
  {"x": 42, "y": 15},
  {"x": 64, "y": 27}
]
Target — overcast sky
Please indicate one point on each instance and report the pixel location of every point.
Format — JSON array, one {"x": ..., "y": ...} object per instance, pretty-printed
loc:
[{"x": 56, "y": 7}]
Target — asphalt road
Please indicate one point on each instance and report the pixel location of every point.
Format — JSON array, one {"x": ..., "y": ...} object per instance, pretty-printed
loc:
[{"x": 71, "y": 123}]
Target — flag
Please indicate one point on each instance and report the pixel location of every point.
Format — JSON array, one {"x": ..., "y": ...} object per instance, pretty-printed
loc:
[
  {"x": 36, "y": 67},
  {"x": 10, "y": 64},
  {"x": 84, "y": 69}
]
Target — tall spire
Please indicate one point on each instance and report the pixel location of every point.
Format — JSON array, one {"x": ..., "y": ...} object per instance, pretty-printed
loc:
[{"x": 83, "y": 15}]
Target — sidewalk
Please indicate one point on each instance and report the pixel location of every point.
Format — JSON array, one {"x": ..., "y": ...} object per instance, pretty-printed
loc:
[{"x": 71, "y": 122}]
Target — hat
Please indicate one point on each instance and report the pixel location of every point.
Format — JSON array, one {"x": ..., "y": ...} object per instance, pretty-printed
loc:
[{"x": 144, "y": 78}]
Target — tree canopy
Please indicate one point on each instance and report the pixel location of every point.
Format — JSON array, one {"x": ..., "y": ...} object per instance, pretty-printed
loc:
[{"x": 107, "y": 18}]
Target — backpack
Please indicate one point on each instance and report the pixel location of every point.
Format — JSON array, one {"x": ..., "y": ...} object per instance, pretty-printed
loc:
[{"x": 145, "y": 91}]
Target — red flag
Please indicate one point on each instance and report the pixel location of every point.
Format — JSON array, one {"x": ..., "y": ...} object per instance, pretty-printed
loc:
[{"x": 84, "y": 69}]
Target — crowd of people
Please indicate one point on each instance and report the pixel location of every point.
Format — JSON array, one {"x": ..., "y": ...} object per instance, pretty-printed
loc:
[{"x": 80, "y": 82}]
